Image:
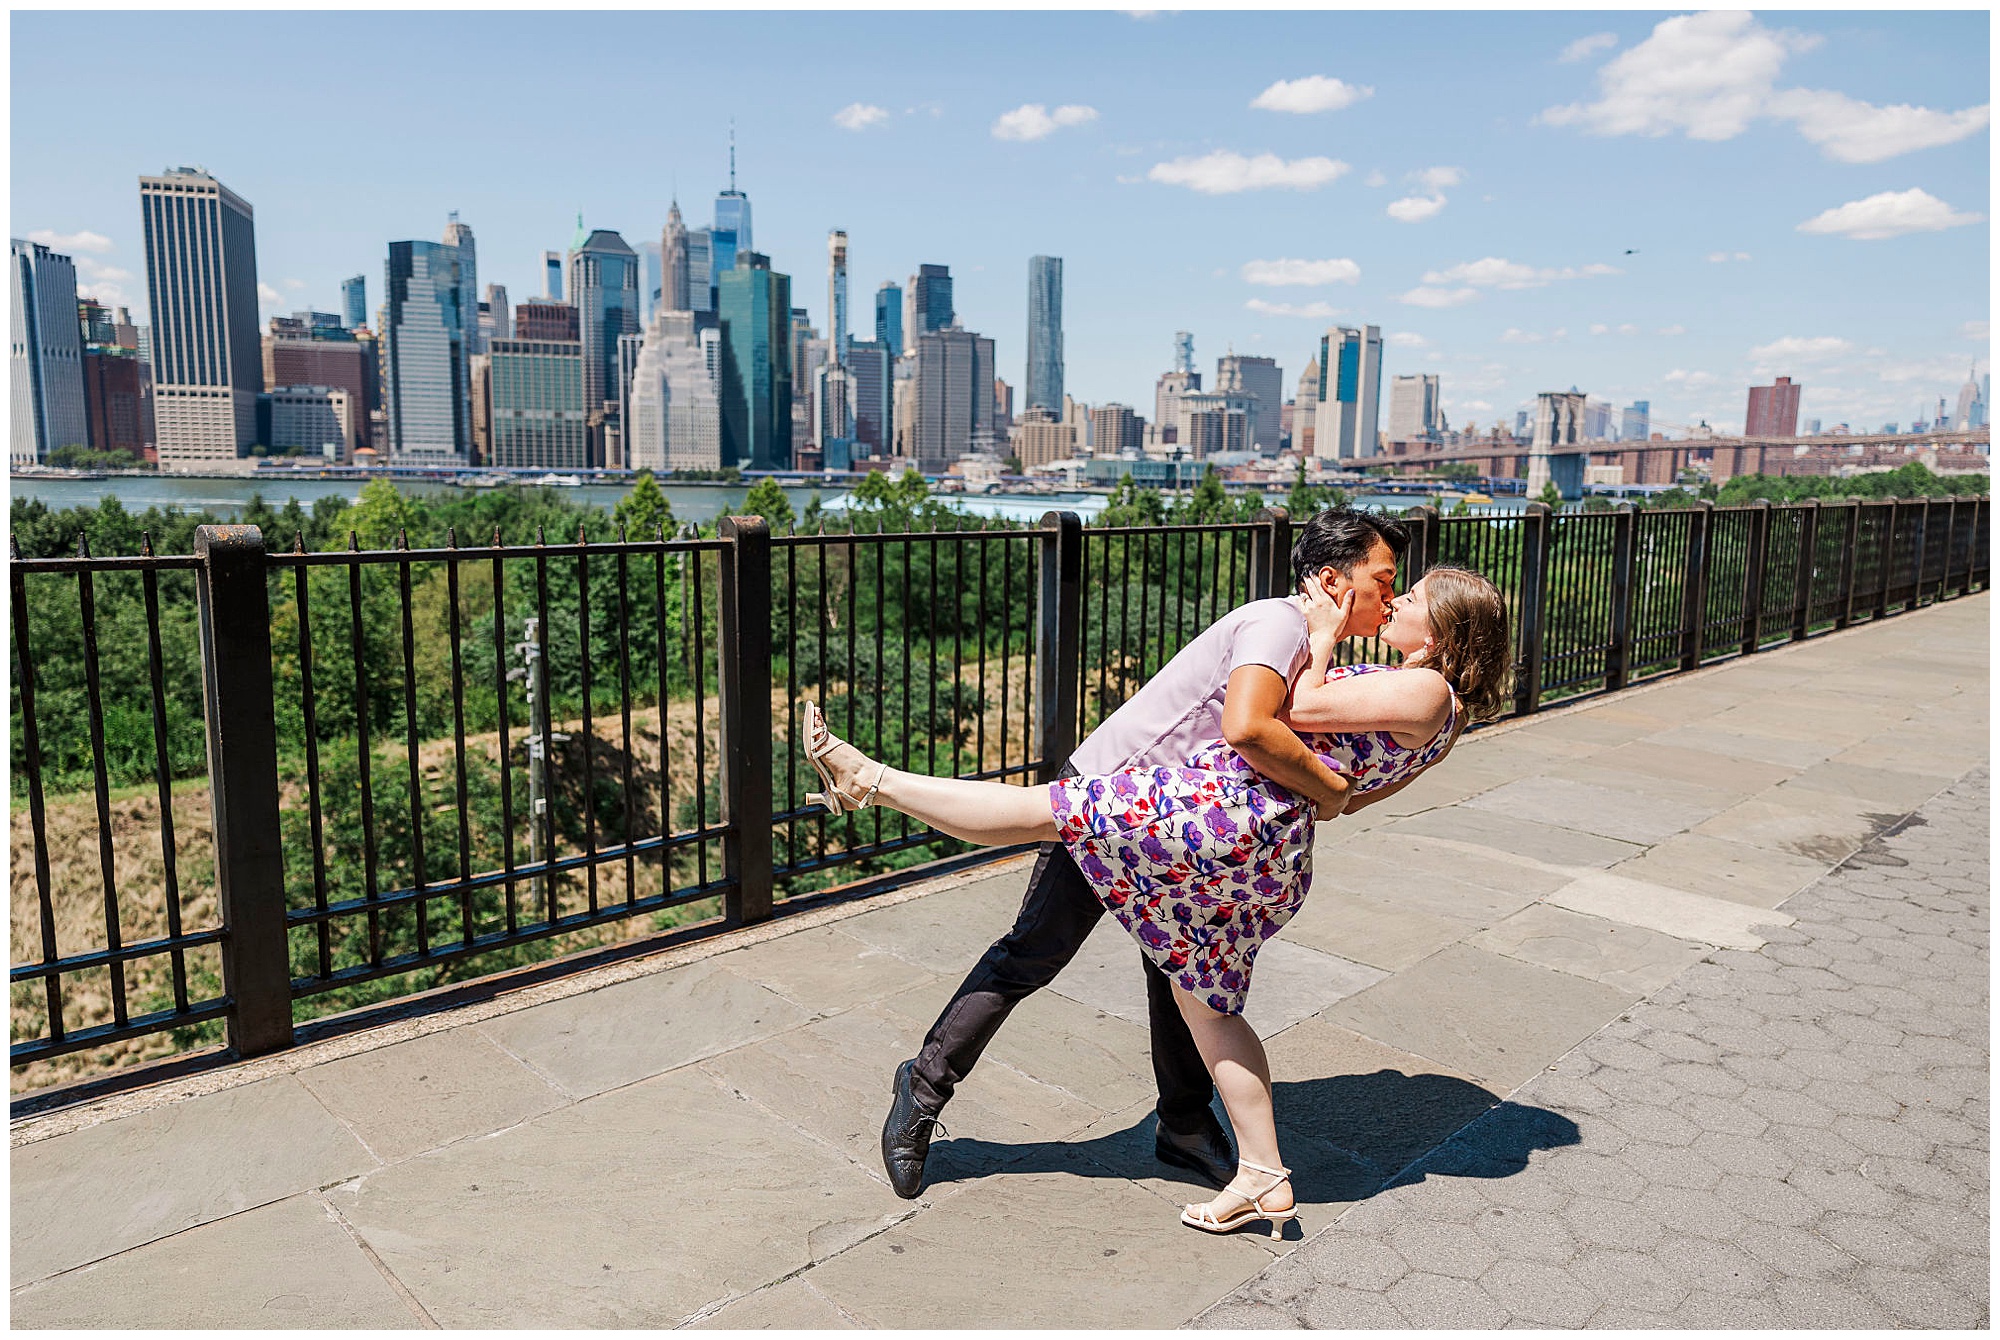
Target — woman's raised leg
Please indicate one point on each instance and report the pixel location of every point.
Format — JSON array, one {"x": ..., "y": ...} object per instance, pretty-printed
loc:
[
  {"x": 992, "y": 814},
  {"x": 1235, "y": 1059}
]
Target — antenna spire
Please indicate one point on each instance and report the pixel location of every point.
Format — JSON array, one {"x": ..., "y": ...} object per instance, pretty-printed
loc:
[{"x": 732, "y": 153}]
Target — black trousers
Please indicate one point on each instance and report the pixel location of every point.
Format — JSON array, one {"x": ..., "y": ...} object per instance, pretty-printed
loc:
[{"x": 1056, "y": 916}]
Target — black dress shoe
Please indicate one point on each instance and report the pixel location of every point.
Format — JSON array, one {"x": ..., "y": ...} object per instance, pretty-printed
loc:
[
  {"x": 906, "y": 1136},
  {"x": 1205, "y": 1152}
]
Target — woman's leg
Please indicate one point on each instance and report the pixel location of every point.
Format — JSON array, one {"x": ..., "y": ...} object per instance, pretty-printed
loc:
[
  {"x": 1233, "y": 1055},
  {"x": 992, "y": 814}
]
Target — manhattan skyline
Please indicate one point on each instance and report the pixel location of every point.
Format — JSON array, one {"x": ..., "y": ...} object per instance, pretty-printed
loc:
[{"x": 1521, "y": 202}]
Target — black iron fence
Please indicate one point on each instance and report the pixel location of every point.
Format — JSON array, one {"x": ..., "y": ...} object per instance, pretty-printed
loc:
[{"x": 421, "y": 758}]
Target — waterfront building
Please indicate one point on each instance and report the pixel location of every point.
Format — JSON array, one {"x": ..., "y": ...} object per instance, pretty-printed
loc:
[
  {"x": 545, "y": 321},
  {"x": 1045, "y": 335},
  {"x": 953, "y": 411},
  {"x": 459, "y": 237},
  {"x": 674, "y": 421},
  {"x": 47, "y": 379},
  {"x": 1413, "y": 408},
  {"x": 1003, "y": 410},
  {"x": 1168, "y": 392},
  {"x": 482, "y": 405},
  {"x": 93, "y": 322},
  {"x": 426, "y": 373},
  {"x": 889, "y": 318},
  {"x": 114, "y": 397},
  {"x": 354, "y": 300},
  {"x": 1302, "y": 409},
  {"x": 834, "y": 389},
  {"x": 674, "y": 289},
  {"x": 298, "y": 353},
  {"x": 930, "y": 300},
  {"x": 1114, "y": 428},
  {"x": 1636, "y": 422},
  {"x": 538, "y": 418},
  {"x": 629, "y": 348},
  {"x": 701, "y": 270},
  {"x": 1077, "y": 415},
  {"x": 1346, "y": 415},
  {"x": 799, "y": 338},
  {"x": 552, "y": 276},
  {"x": 495, "y": 321},
  {"x": 315, "y": 420},
  {"x": 870, "y": 362},
  {"x": 201, "y": 287},
  {"x": 754, "y": 304},
  {"x": 1249, "y": 374},
  {"x": 1044, "y": 438},
  {"x": 1773, "y": 410},
  {"x": 604, "y": 287}
]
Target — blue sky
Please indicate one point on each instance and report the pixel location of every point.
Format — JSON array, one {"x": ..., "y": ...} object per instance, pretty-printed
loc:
[{"x": 1470, "y": 182}]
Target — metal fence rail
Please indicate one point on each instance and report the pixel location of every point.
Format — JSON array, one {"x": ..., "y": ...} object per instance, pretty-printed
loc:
[{"x": 497, "y": 745}]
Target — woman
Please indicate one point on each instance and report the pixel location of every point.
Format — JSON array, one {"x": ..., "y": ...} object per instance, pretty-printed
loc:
[{"x": 1204, "y": 862}]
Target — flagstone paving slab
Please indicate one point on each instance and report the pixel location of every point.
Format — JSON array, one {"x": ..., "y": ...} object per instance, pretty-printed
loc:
[
  {"x": 1542, "y": 840},
  {"x": 105, "y": 1188},
  {"x": 1883, "y": 786},
  {"x": 1609, "y": 812},
  {"x": 1382, "y": 932},
  {"x": 1719, "y": 868},
  {"x": 1628, "y": 957},
  {"x": 1817, "y": 826},
  {"x": 792, "y": 1305},
  {"x": 947, "y": 931},
  {"x": 824, "y": 970},
  {"x": 1648, "y": 758},
  {"x": 281, "y": 1266},
  {"x": 1687, "y": 916}
]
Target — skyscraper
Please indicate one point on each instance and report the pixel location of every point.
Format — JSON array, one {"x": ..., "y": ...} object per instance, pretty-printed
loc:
[
  {"x": 1635, "y": 424},
  {"x": 1346, "y": 419},
  {"x": 426, "y": 373},
  {"x": 930, "y": 289},
  {"x": 1260, "y": 377},
  {"x": 1303, "y": 404},
  {"x": 674, "y": 263},
  {"x": 604, "y": 279},
  {"x": 1970, "y": 412},
  {"x": 538, "y": 405},
  {"x": 650, "y": 265},
  {"x": 954, "y": 397},
  {"x": 675, "y": 420},
  {"x": 889, "y": 318},
  {"x": 756, "y": 374},
  {"x": 201, "y": 283},
  {"x": 459, "y": 235},
  {"x": 496, "y": 321},
  {"x": 1045, "y": 337},
  {"x": 834, "y": 389},
  {"x": 1773, "y": 410},
  {"x": 731, "y": 235},
  {"x": 836, "y": 295},
  {"x": 701, "y": 270},
  {"x": 297, "y": 353},
  {"x": 870, "y": 362},
  {"x": 552, "y": 276},
  {"x": 1184, "y": 352},
  {"x": 1167, "y": 394},
  {"x": 49, "y": 408},
  {"x": 1413, "y": 408},
  {"x": 354, "y": 300}
]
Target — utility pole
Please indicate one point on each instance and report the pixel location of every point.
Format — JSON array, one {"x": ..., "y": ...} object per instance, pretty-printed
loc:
[{"x": 530, "y": 649}]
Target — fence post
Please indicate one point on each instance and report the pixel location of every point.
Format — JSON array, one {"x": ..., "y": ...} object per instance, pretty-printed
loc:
[
  {"x": 234, "y": 610},
  {"x": 1917, "y": 554},
  {"x": 1423, "y": 521},
  {"x": 1847, "y": 552},
  {"x": 1888, "y": 562},
  {"x": 1058, "y": 639},
  {"x": 744, "y": 655},
  {"x": 1624, "y": 551},
  {"x": 1979, "y": 566},
  {"x": 1534, "y": 591},
  {"x": 1802, "y": 582},
  {"x": 1694, "y": 595},
  {"x": 1755, "y": 563},
  {"x": 1950, "y": 543},
  {"x": 1271, "y": 554}
]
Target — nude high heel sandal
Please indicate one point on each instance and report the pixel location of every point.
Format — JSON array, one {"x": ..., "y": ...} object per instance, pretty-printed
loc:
[
  {"x": 1201, "y": 1217},
  {"x": 819, "y": 743}
]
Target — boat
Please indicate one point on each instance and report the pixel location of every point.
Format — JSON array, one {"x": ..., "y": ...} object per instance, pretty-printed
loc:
[{"x": 554, "y": 481}]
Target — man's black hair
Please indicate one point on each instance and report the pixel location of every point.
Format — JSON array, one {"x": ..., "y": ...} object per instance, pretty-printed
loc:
[{"x": 1342, "y": 538}]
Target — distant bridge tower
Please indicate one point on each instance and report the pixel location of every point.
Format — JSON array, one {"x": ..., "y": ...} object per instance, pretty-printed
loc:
[{"x": 1558, "y": 424}]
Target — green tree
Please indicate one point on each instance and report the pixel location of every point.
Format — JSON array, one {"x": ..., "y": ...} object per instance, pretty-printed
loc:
[
  {"x": 1304, "y": 499},
  {"x": 1551, "y": 495},
  {"x": 645, "y": 511},
  {"x": 767, "y": 500}
]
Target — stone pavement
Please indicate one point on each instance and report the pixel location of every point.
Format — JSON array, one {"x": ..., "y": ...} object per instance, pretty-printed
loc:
[
  {"x": 1572, "y": 968},
  {"x": 1795, "y": 1136}
]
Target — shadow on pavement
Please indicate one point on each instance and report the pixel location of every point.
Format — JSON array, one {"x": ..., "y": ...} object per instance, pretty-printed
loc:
[{"x": 1344, "y": 1137}]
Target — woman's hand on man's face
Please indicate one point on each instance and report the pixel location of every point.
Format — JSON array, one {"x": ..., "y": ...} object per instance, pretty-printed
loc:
[{"x": 1329, "y": 618}]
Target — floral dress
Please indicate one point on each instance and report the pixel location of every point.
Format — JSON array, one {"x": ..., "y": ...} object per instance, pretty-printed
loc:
[{"x": 1206, "y": 860}]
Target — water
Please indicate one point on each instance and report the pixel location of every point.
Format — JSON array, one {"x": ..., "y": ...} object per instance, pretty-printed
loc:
[{"x": 701, "y": 503}]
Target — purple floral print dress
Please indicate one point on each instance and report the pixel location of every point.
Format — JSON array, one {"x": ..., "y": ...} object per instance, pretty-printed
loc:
[{"x": 1206, "y": 860}]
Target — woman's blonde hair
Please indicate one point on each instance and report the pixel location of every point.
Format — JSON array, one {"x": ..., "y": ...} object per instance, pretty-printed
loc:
[{"x": 1469, "y": 638}]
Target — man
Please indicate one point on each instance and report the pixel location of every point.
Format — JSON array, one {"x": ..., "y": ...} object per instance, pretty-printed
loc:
[{"x": 1239, "y": 669}]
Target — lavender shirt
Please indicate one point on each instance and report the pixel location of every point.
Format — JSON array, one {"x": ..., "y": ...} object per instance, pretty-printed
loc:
[{"x": 1180, "y": 708}]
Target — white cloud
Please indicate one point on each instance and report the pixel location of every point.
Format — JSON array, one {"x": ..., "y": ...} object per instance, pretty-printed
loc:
[
  {"x": 860, "y": 116},
  {"x": 1034, "y": 121},
  {"x": 1583, "y": 48},
  {"x": 106, "y": 283},
  {"x": 1282, "y": 272},
  {"x": 1514, "y": 336},
  {"x": 267, "y": 294},
  {"x": 1314, "y": 93},
  {"x": 1848, "y": 130},
  {"x": 1438, "y": 297},
  {"x": 1224, "y": 172},
  {"x": 1599, "y": 328},
  {"x": 1709, "y": 75},
  {"x": 1724, "y": 257},
  {"x": 1318, "y": 310},
  {"x": 1494, "y": 272},
  {"x": 1624, "y": 328},
  {"x": 1693, "y": 381},
  {"x": 1802, "y": 348},
  {"x": 70, "y": 243},
  {"x": 99, "y": 272},
  {"x": 295, "y": 284},
  {"x": 1976, "y": 330},
  {"x": 1889, "y": 214},
  {"x": 1376, "y": 178},
  {"x": 1439, "y": 178},
  {"x": 1414, "y": 208},
  {"x": 1673, "y": 330},
  {"x": 1407, "y": 339}
]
